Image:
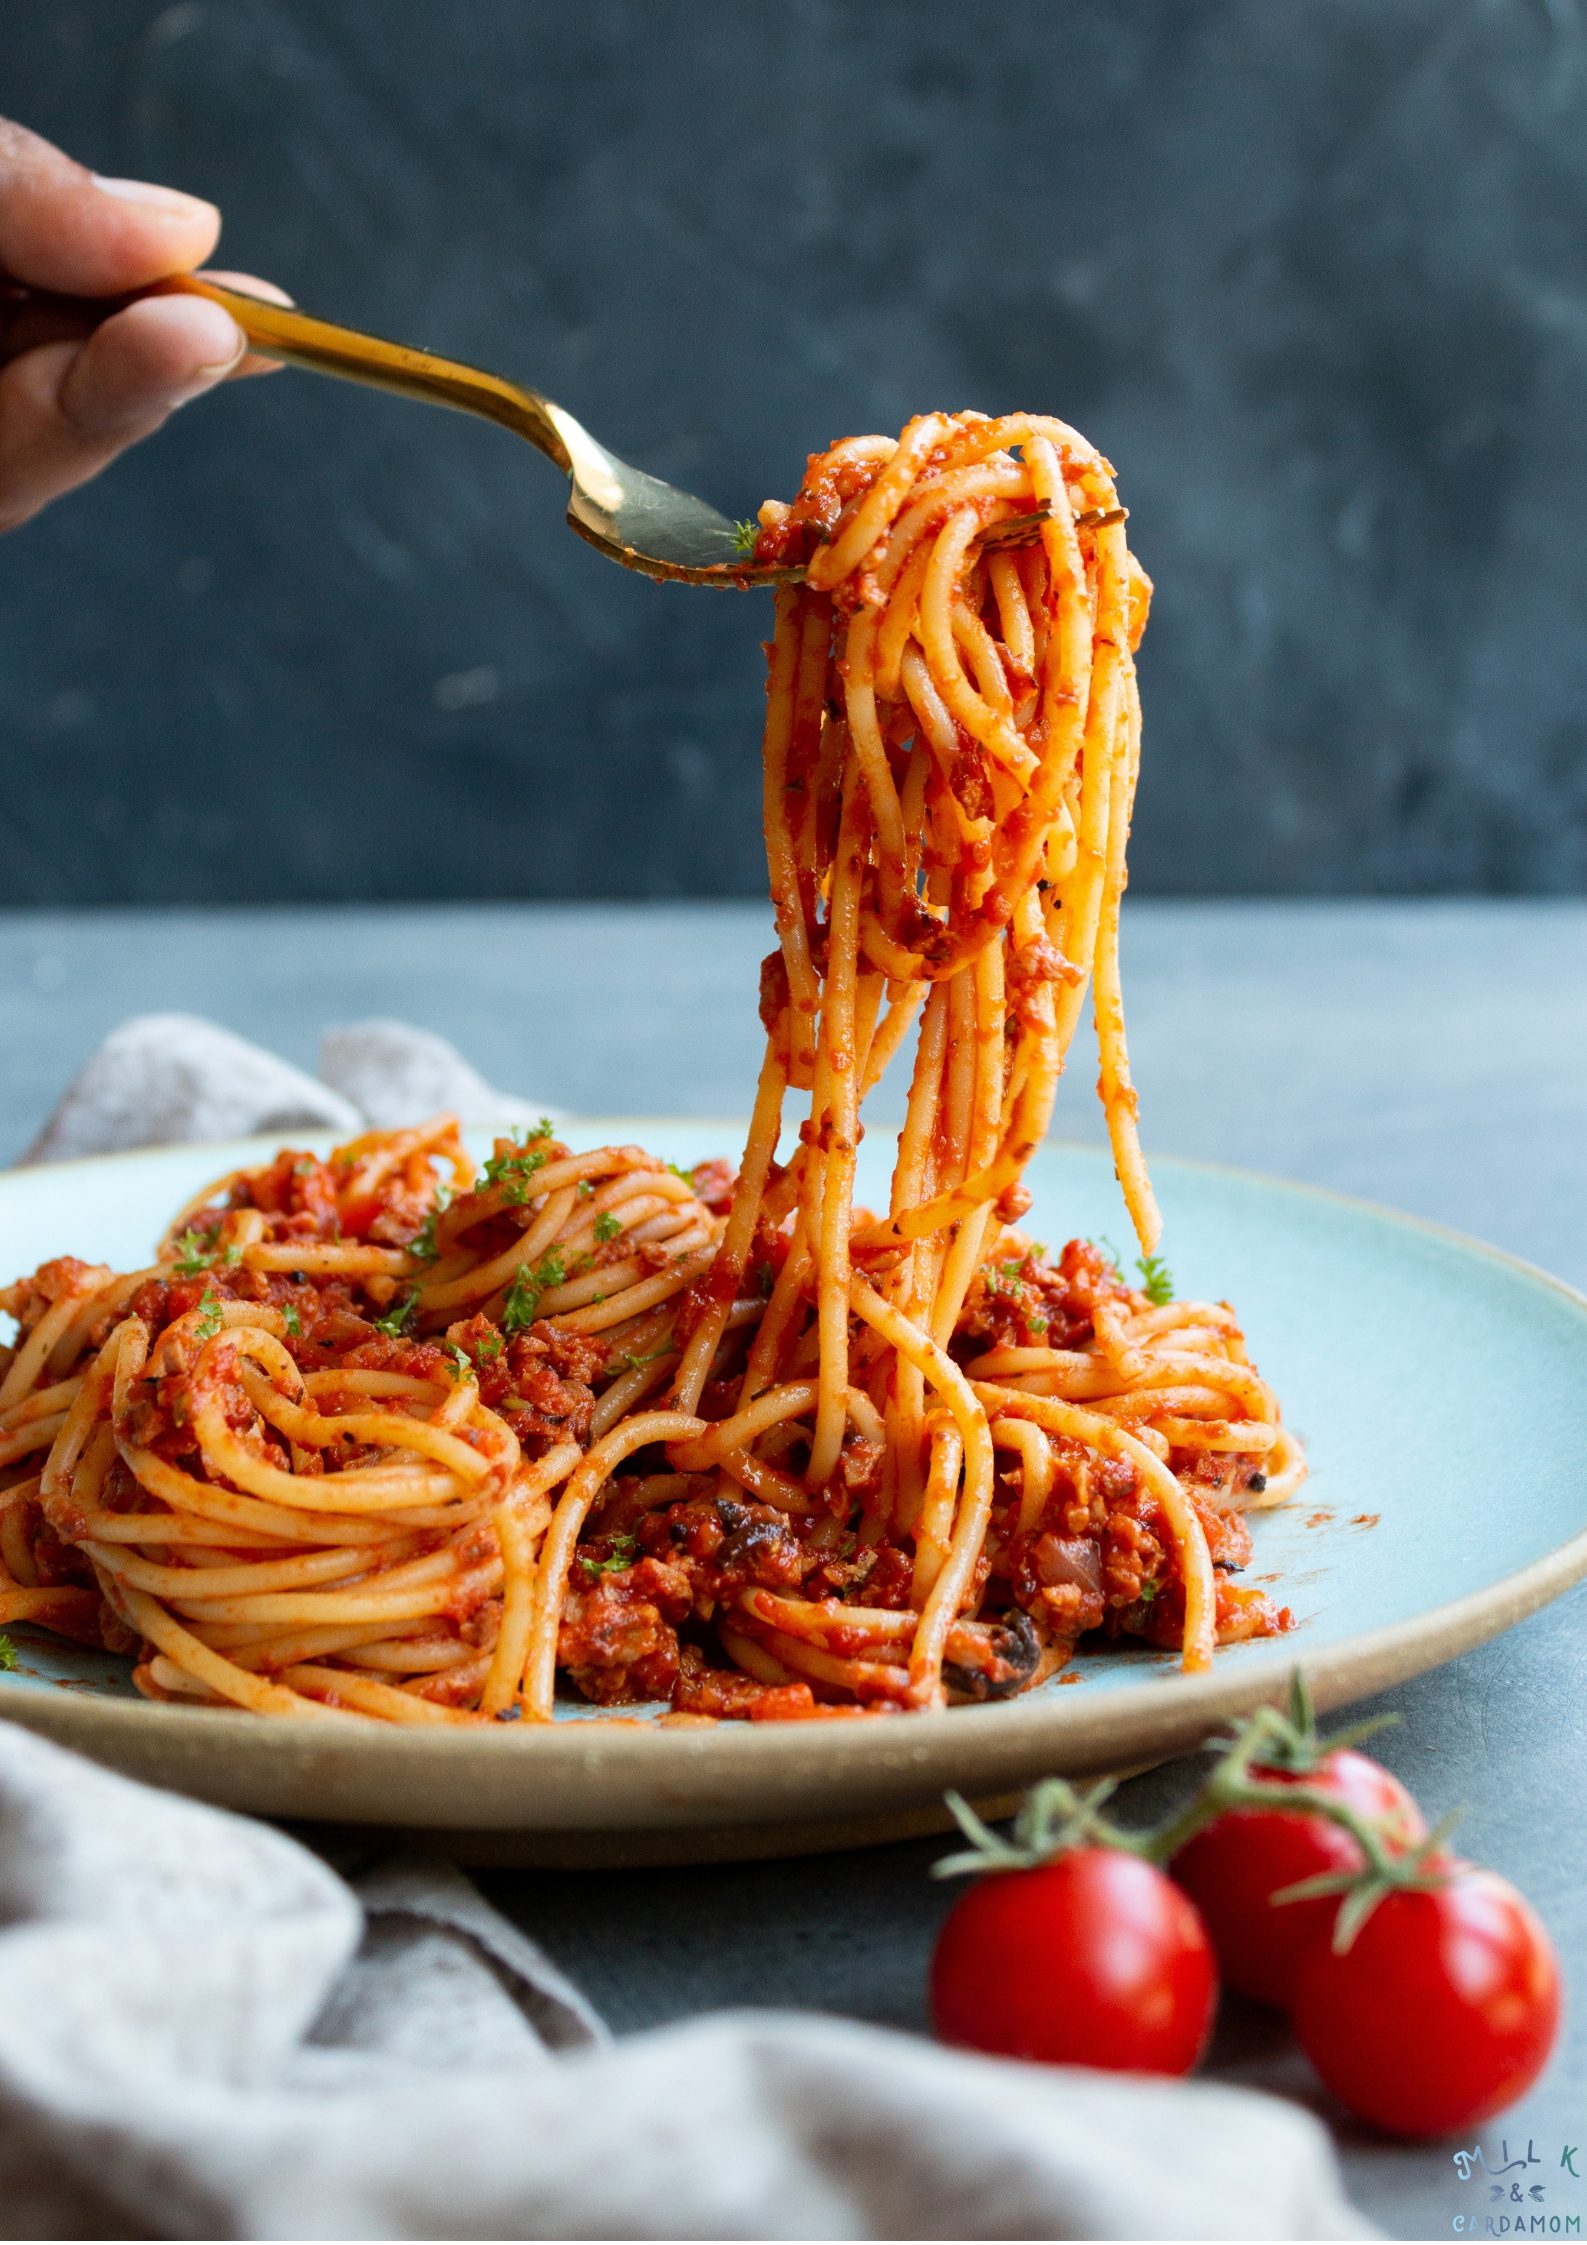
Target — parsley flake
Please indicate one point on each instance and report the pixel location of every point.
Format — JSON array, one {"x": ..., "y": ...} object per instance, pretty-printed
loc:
[
  {"x": 195, "y": 1252},
  {"x": 212, "y": 1319},
  {"x": 513, "y": 1169},
  {"x": 291, "y": 1320},
  {"x": 631, "y": 1363},
  {"x": 744, "y": 535},
  {"x": 512, "y": 1172},
  {"x": 423, "y": 1243},
  {"x": 522, "y": 1304},
  {"x": 607, "y": 1227},
  {"x": 625, "y": 1550},
  {"x": 8, "y": 1652},
  {"x": 1157, "y": 1280},
  {"x": 1004, "y": 1279},
  {"x": 395, "y": 1322}
]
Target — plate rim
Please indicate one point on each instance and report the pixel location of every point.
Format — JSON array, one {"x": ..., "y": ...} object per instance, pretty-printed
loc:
[{"x": 1166, "y": 1714}]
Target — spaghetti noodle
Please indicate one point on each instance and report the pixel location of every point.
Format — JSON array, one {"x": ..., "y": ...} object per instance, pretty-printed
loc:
[{"x": 384, "y": 1435}]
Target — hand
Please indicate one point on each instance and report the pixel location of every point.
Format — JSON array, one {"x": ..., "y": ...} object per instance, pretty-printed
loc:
[{"x": 78, "y": 385}]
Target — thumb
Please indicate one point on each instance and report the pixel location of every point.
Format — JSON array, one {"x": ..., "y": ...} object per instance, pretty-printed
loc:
[{"x": 63, "y": 228}]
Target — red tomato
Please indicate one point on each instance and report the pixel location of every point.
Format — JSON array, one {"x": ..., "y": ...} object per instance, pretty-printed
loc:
[
  {"x": 1096, "y": 1959},
  {"x": 1232, "y": 1870},
  {"x": 1441, "y": 2012}
]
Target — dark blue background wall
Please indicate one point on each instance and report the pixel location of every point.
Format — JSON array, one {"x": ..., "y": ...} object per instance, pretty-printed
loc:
[{"x": 1312, "y": 272}]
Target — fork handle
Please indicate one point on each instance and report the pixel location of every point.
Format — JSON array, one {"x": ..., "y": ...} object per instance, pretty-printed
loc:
[{"x": 280, "y": 331}]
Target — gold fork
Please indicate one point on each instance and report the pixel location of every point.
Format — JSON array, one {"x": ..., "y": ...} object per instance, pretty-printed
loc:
[{"x": 631, "y": 517}]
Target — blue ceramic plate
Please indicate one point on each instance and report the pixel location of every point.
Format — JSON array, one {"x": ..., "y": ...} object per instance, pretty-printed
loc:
[{"x": 1440, "y": 1389}]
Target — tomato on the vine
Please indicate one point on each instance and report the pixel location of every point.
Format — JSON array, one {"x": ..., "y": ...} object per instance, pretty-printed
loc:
[
  {"x": 1233, "y": 1868},
  {"x": 1441, "y": 2012},
  {"x": 1093, "y": 1959}
]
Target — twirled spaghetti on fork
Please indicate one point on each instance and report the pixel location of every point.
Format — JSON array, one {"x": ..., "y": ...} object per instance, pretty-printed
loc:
[{"x": 382, "y": 1434}]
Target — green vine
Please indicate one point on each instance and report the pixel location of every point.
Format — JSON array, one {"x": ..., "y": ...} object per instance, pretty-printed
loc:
[{"x": 1056, "y": 1816}]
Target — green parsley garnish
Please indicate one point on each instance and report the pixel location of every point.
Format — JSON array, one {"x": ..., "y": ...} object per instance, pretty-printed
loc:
[
  {"x": 291, "y": 1320},
  {"x": 462, "y": 1362},
  {"x": 423, "y": 1245},
  {"x": 522, "y": 1305},
  {"x": 1004, "y": 1278},
  {"x": 195, "y": 1252},
  {"x": 586, "y": 1187},
  {"x": 632, "y": 1363},
  {"x": 513, "y": 1171},
  {"x": 1149, "y": 1591},
  {"x": 1157, "y": 1280},
  {"x": 1038, "y": 1325},
  {"x": 744, "y": 535},
  {"x": 607, "y": 1227},
  {"x": 625, "y": 1550},
  {"x": 765, "y": 1279},
  {"x": 212, "y": 1319},
  {"x": 395, "y": 1322},
  {"x": 687, "y": 1175},
  {"x": 8, "y": 1652},
  {"x": 522, "y": 1154},
  {"x": 489, "y": 1349}
]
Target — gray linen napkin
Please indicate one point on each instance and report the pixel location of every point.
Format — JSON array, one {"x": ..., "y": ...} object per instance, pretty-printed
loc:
[{"x": 205, "y": 2032}]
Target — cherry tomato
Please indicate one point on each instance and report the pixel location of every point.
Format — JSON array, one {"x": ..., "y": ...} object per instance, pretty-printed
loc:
[
  {"x": 1232, "y": 1870},
  {"x": 1095, "y": 1959},
  {"x": 1441, "y": 2012}
]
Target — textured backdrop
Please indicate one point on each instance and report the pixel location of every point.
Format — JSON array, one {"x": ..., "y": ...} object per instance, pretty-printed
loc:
[{"x": 1311, "y": 271}]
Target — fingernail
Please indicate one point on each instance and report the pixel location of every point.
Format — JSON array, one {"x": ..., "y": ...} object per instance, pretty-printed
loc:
[
  {"x": 225, "y": 345},
  {"x": 165, "y": 202},
  {"x": 213, "y": 369}
]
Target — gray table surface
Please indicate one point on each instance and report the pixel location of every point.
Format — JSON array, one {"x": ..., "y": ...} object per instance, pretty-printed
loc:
[{"x": 1430, "y": 1055}]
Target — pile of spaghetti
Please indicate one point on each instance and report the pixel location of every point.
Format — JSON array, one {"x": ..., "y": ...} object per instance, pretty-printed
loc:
[{"x": 388, "y": 1435}]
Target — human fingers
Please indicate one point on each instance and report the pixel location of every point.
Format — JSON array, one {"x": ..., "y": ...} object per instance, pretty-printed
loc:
[
  {"x": 62, "y": 227},
  {"x": 68, "y": 408}
]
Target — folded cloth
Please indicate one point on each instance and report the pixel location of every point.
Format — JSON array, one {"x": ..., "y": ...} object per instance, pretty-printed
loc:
[
  {"x": 208, "y": 2034},
  {"x": 205, "y": 2031},
  {"x": 166, "y": 1079}
]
